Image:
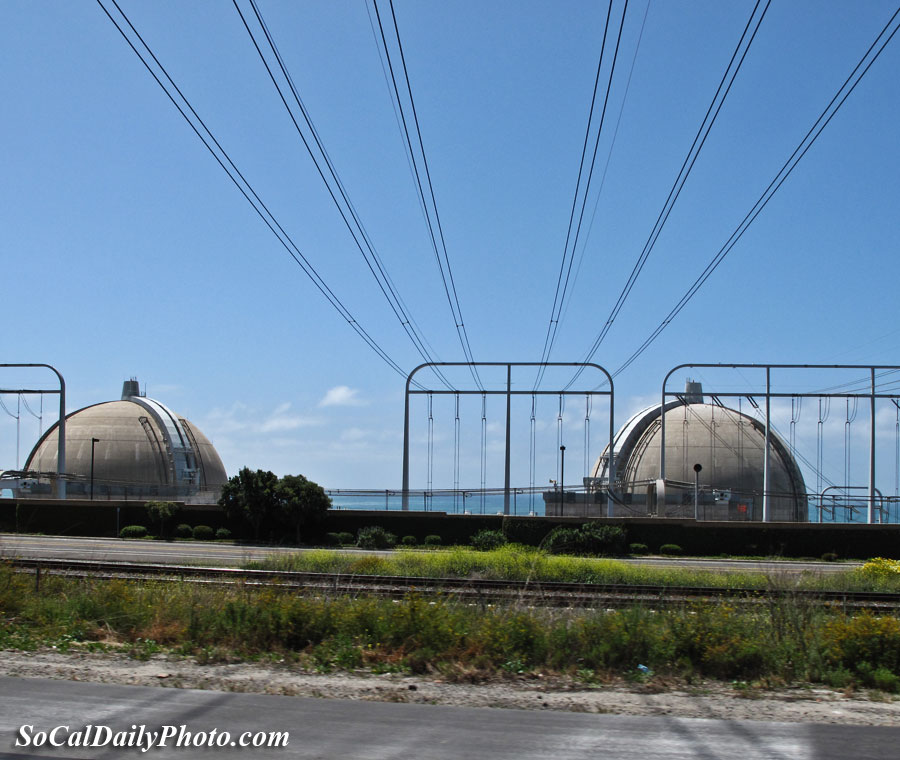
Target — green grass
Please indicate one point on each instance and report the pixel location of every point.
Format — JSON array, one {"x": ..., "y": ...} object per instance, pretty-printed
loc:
[
  {"x": 515, "y": 562},
  {"x": 779, "y": 642}
]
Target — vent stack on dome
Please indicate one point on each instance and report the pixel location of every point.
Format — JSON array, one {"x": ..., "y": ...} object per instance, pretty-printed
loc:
[
  {"x": 130, "y": 388},
  {"x": 693, "y": 392}
]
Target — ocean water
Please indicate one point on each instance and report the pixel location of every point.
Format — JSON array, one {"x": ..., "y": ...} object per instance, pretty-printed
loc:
[
  {"x": 460, "y": 502},
  {"x": 491, "y": 503}
]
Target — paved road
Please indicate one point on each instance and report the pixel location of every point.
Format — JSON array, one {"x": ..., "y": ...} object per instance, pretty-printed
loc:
[
  {"x": 347, "y": 730},
  {"x": 186, "y": 552}
]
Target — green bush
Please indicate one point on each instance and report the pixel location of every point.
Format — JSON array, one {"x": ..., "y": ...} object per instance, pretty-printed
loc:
[
  {"x": 589, "y": 539},
  {"x": 670, "y": 549},
  {"x": 409, "y": 541},
  {"x": 161, "y": 512},
  {"x": 486, "y": 540},
  {"x": 203, "y": 533},
  {"x": 222, "y": 534},
  {"x": 603, "y": 539},
  {"x": 638, "y": 549},
  {"x": 133, "y": 531},
  {"x": 878, "y": 678},
  {"x": 562, "y": 540},
  {"x": 345, "y": 538},
  {"x": 829, "y": 557},
  {"x": 530, "y": 531},
  {"x": 432, "y": 540},
  {"x": 183, "y": 531},
  {"x": 375, "y": 537},
  {"x": 331, "y": 539}
]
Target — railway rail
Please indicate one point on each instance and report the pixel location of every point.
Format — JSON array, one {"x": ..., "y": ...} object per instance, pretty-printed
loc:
[{"x": 546, "y": 593}]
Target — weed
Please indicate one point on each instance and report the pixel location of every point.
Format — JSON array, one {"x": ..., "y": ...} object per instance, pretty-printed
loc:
[{"x": 144, "y": 649}]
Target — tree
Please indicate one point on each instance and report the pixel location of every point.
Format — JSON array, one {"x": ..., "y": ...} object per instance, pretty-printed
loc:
[
  {"x": 250, "y": 496},
  {"x": 301, "y": 502},
  {"x": 161, "y": 511}
]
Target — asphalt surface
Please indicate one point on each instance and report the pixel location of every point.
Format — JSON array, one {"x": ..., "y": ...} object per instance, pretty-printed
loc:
[
  {"x": 196, "y": 553},
  {"x": 351, "y": 730}
]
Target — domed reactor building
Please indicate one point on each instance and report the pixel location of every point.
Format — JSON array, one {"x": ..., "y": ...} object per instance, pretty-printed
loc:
[
  {"x": 729, "y": 447},
  {"x": 137, "y": 447}
]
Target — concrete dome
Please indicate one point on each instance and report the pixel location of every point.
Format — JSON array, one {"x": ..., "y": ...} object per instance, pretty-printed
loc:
[
  {"x": 143, "y": 450},
  {"x": 728, "y": 445}
]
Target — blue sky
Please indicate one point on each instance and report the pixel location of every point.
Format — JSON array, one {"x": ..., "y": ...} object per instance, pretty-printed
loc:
[{"x": 127, "y": 251}]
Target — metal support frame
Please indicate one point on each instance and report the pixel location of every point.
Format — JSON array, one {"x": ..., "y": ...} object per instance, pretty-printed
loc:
[
  {"x": 60, "y": 485},
  {"x": 769, "y": 395},
  {"x": 509, "y": 393},
  {"x": 821, "y": 505}
]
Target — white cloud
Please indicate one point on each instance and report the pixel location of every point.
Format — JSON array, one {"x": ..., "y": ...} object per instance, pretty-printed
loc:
[
  {"x": 241, "y": 418},
  {"x": 342, "y": 395},
  {"x": 354, "y": 434},
  {"x": 280, "y": 420}
]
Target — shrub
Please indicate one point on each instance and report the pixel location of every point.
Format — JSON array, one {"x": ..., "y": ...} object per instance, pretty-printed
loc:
[
  {"x": 530, "y": 531},
  {"x": 590, "y": 538},
  {"x": 345, "y": 538},
  {"x": 432, "y": 540},
  {"x": 829, "y": 557},
  {"x": 409, "y": 541},
  {"x": 879, "y": 567},
  {"x": 223, "y": 534},
  {"x": 183, "y": 531},
  {"x": 562, "y": 540},
  {"x": 161, "y": 512},
  {"x": 133, "y": 531},
  {"x": 864, "y": 643},
  {"x": 203, "y": 533},
  {"x": 331, "y": 539},
  {"x": 638, "y": 549},
  {"x": 375, "y": 537},
  {"x": 670, "y": 549},
  {"x": 486, "y": 540},
  {"x": 602, "y": 539}
]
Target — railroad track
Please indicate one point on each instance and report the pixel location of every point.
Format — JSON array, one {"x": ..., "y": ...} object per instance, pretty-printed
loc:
[{"x": 546, "y": 593}]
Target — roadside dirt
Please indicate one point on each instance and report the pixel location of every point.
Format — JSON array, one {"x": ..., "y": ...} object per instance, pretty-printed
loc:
[{"x": 706, "y": 700}]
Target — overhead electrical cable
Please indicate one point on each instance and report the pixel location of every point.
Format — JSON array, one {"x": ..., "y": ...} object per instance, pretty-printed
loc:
[
  {"x": 864, "y": 384},
  {"x": 347, "y": 210},
  {"x": 581, "y": 191},
  {"x": 799, "y": 152},
  {"x": 394, "y": 106},
  {"x": 240, "y": 182},
  {"x": 706, "y": 125},
  {"x": 612, "y": 145},
  {"x": 423, "y": 178}
]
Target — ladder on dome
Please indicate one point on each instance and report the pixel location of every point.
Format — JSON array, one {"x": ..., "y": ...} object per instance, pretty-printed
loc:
[
  {"x": 200, "y": 469},
  {"x": 154, "y": 442}
]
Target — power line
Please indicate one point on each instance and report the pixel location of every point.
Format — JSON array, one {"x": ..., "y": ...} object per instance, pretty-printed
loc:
[
  {"x": 569, "y": 256},
  {"x": 706, "y": 125},
  {"x": 805, "y": 144},
  {"x": 612, "y": 146},
  {"x": 241, "y": 183},
  {"x": 423, "y": 177},
  {"x": 356, "y": 229}
]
